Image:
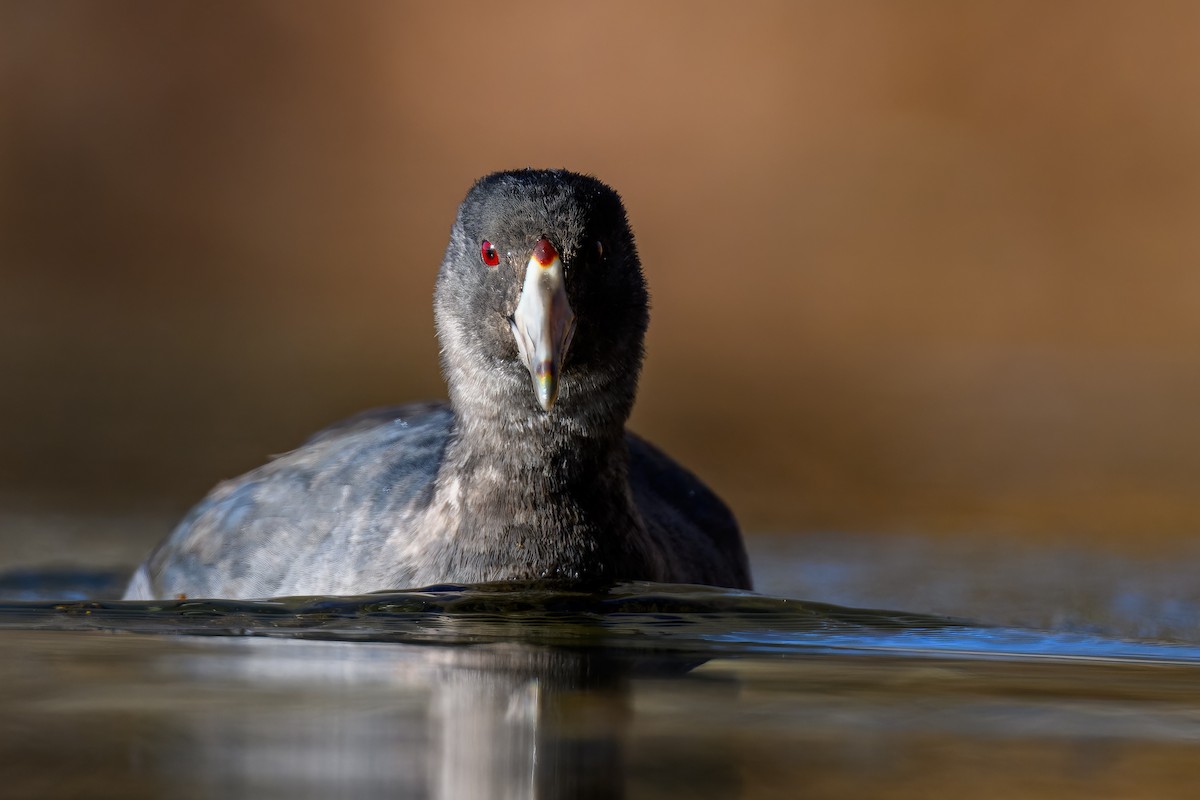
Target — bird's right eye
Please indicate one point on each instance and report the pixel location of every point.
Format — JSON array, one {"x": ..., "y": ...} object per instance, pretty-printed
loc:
[{"x": 487, "y": 252}]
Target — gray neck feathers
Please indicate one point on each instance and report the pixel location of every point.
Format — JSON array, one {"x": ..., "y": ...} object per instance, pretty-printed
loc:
[{"x": 537, "y": 494}]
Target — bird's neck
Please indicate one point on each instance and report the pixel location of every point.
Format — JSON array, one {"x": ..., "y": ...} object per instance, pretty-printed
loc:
[
  {"x": 539, "y": 453},
  {"x": 500, "y": 430},
  {"x": 539, "y": 498}
]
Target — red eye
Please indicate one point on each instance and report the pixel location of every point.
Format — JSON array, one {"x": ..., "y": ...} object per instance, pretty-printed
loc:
[{"x": 488, "y": 253}]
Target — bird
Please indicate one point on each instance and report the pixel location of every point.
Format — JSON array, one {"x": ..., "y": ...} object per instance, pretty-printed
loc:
[{"x": 528, "y": 472}]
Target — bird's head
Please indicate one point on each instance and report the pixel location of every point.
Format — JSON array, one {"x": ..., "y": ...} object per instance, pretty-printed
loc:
[{"x": 541, "y": 306}]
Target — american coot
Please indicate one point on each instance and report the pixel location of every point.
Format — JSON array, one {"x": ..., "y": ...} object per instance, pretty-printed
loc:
[{"x": 528, "y": 473}]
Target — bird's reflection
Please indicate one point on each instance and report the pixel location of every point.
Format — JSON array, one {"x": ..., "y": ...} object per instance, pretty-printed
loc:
[
  {"x": 519, "y": 722},
  {"x": 490, "y": 721}
]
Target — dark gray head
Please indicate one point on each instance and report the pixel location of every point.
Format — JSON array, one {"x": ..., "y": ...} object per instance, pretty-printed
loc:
[{"x": 540, "y": 302}]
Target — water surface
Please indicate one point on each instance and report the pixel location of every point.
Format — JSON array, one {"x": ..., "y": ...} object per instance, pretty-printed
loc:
[{"x": 640, "y": 691}]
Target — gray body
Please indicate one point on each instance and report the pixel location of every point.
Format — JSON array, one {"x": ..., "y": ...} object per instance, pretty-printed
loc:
[
  {"x": 492, "y": 486},
  {"x": 373, "y": 503}
]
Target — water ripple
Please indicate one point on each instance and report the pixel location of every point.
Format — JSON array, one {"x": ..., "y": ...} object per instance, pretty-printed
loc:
[{"x": 692, "y": 620}]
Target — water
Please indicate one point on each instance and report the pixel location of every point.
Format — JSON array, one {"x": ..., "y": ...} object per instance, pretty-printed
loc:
[{"x": 645, "y": 691}]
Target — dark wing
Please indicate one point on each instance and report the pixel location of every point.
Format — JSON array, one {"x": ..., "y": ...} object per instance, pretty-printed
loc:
[
  {"x": 692, "y": 526},
  {"x": 311, "y": 520}
]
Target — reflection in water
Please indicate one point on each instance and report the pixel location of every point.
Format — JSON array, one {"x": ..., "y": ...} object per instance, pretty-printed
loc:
[
  {"x": 523, "y": 722},
  {"x": 492, "y": 721},
  {"x": 290, "y": 718},
  {"x": 531, "y": 691}
]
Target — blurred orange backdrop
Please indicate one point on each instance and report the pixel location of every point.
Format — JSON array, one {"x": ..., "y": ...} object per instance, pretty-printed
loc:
[{"x": 927, "y": 265}]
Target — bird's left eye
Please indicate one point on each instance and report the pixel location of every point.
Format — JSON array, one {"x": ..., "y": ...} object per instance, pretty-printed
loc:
[
  {"x": 599, "y": 249},
  {"x": 487, "y": 252}
]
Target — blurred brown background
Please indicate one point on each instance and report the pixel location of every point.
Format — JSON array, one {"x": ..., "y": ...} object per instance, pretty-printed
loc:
[{"x": 915, "y": 266}]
